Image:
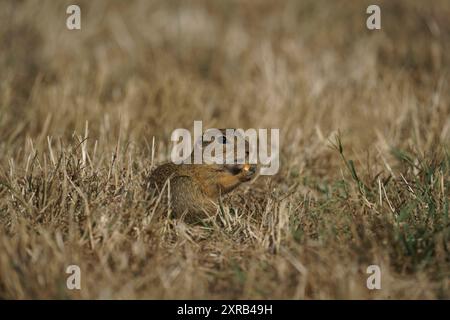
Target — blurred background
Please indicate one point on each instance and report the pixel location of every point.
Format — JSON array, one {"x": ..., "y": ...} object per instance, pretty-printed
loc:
[{"x": 157, "y": 65}]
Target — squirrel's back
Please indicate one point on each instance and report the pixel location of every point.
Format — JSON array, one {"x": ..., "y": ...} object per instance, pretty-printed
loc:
[{"x": 189, "y": 185}]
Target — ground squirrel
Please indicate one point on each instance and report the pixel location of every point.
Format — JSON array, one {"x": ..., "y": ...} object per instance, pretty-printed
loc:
[{"x": 196, "y": 188}]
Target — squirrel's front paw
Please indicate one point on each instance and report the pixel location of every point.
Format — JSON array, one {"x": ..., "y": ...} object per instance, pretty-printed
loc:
[{"x": 248, "y": 171}]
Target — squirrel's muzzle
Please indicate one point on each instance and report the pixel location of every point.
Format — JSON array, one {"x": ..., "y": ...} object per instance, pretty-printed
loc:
[{"x": 245, "y": 171}]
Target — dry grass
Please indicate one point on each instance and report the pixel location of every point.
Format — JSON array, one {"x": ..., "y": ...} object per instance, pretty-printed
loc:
[{"x": 79, "y": 110}]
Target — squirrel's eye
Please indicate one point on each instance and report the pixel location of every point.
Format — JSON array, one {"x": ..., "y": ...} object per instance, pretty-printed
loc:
[{"x": 223, "y": 140}]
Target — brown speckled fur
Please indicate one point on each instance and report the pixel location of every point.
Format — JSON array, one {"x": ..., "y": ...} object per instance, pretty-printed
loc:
[{"x": 196, "y": 188}]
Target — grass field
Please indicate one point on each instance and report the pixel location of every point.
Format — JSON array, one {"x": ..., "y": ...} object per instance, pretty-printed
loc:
[{"x": 364, "y": 119}]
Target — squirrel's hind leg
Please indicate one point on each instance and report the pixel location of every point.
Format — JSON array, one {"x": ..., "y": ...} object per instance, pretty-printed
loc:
[{"x": 187, "y": 197}]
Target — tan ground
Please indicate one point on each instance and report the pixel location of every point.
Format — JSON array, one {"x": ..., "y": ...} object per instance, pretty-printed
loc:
[{"x": 79, "y": 110}]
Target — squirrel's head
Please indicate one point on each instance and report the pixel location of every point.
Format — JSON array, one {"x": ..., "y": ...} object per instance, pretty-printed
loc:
[{"x": 228, "y": 152}]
